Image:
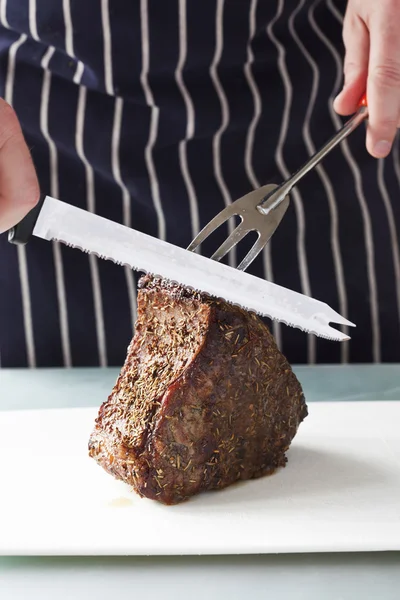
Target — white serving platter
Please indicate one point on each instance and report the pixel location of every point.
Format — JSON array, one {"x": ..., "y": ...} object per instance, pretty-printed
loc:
[{"x": 339, "y": 492}]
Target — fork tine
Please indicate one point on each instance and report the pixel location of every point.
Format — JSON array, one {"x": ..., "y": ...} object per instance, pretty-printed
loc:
[
  {"x": 231, "y": 241},
  {"x": 216, "y": 222},
  {"x": 253, "y": 252}
]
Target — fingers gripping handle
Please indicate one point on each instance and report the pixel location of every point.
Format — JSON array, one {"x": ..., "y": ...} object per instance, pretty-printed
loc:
[{"x": 22, "y": 231}]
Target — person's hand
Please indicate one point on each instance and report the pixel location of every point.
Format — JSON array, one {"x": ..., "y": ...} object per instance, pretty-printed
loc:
[
  {"x": 19, "y": 188},
  {"x": 371, "y": 35}
]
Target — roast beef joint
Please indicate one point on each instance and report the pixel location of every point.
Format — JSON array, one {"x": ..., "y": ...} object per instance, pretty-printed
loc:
[{"x": 204, "y": 399}]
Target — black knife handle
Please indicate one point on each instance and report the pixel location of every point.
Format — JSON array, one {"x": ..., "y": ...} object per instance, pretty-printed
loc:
[{"x": 22, "y": 231}]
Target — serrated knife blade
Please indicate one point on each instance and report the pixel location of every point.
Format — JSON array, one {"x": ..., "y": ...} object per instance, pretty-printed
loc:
[{"x": 91, "y": 233}]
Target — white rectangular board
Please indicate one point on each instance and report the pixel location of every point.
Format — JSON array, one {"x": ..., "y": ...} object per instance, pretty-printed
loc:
[{"x": 339, "y": 492}]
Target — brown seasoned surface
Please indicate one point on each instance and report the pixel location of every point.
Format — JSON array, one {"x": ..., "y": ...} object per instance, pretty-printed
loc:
[{"x": 205, "y": 398}]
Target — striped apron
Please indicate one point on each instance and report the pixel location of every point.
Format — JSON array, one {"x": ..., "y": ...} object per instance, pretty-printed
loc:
[{"x": 157, "y": 114}]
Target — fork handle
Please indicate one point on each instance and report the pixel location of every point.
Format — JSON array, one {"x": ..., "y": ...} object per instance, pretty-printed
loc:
[{"x": 285, "y": 188}]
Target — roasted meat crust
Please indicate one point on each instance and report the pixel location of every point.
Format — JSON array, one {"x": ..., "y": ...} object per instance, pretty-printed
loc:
[{"x": 204, "y": 399}]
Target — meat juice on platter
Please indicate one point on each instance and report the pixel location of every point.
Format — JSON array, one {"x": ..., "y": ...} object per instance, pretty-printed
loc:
[{"x": 204, "y": 399}]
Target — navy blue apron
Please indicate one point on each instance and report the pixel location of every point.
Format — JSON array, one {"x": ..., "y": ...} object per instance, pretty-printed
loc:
[{"x": 157, "y": 114}]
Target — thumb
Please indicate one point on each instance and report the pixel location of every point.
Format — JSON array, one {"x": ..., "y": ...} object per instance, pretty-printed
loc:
[
  {"x": 356, "y": 41},
  {"x": 19, "y": 187}
]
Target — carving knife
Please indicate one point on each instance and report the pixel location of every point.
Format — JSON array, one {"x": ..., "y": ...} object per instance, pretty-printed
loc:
[{"x": 55, "y": 220}]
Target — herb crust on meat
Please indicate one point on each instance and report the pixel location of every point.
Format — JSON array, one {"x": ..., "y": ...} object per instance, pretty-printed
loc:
[{"x": 204, "y": 399}]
